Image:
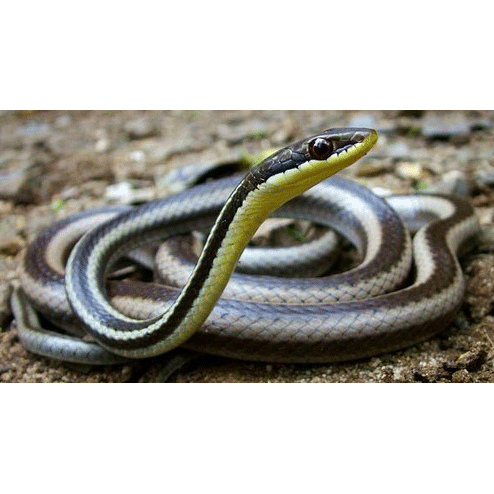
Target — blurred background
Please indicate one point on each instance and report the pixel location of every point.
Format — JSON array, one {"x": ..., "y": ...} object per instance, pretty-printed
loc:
[{"x": 52, "y": 156}]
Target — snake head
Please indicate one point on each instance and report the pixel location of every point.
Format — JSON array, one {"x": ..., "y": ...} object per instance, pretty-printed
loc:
[
  {"x": 296, "y": 168},
  {"x": 336, "y": 141}
]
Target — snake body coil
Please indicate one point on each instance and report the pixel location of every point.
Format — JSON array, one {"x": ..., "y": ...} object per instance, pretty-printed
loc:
[{"x": 289, "y": 321}]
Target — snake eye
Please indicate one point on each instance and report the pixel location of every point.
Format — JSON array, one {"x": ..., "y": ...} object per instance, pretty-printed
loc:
[{"x": 320, "y": 149}]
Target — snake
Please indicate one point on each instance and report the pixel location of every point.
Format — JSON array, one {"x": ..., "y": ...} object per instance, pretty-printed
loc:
[{"x": 366, "y": 311}]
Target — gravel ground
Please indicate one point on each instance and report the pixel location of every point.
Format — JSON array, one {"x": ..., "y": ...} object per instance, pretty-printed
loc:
[{"x": 56, "y": 163}]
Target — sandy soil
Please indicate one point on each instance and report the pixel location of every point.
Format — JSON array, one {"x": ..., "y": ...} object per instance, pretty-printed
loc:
[{"x": 56, "y": 163}]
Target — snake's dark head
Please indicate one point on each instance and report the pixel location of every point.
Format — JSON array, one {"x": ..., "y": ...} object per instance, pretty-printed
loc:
[
  {"x": 298, "y": 167},
  {"x": 334, "y": 142}
]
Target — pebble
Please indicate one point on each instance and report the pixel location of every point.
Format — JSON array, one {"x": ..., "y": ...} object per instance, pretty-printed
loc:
[
  {"x": 103, "y": 142},
  {"x": 125, "y": 193},
  {"x": 121, "y": 192},
  {"x": 140, "y": 128},
  {"x": 14, "y": 182},
  {"x": 11, "y": 243},
  {"x": 445, "y": 127},
  {"x": 460, "y": 376},
  {"x": 6, "y": 207},
  {"x": 413, "y": 171},
  {"x": 34, "y": 129},
  {"x": 12, "y": 246},
  {"x": 485, "y": 177},
  {"x": 63, "y": 121},
  {"x": 138, "y": 155}
]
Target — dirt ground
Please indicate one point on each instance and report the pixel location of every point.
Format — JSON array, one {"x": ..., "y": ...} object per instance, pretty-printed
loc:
[{"x": 55, "y": 163}]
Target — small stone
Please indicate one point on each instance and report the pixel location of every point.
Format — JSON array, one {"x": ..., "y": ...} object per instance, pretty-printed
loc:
[
  {"x": 34, "y": 129},
  {"x": 63, "y": 121},
  {"x": 460, "y": 376},
  {"x": 411, "y": 171},
  {"x": 126, "y": 193},
  {"x": 445, "y": 127},
  {"x": 14, "y": 183},
  {"x": 103, "y": 143},
  {"x": 11, "y": 247},
  {"x": 6, "y": 207},
  {"x": 140, "y": 129},
  {"x": 121, "y": 192},
  {"x": 138, "y": 156},
  {"x": 11, "y": 243},
  {"x": 485, "y": 177}
]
